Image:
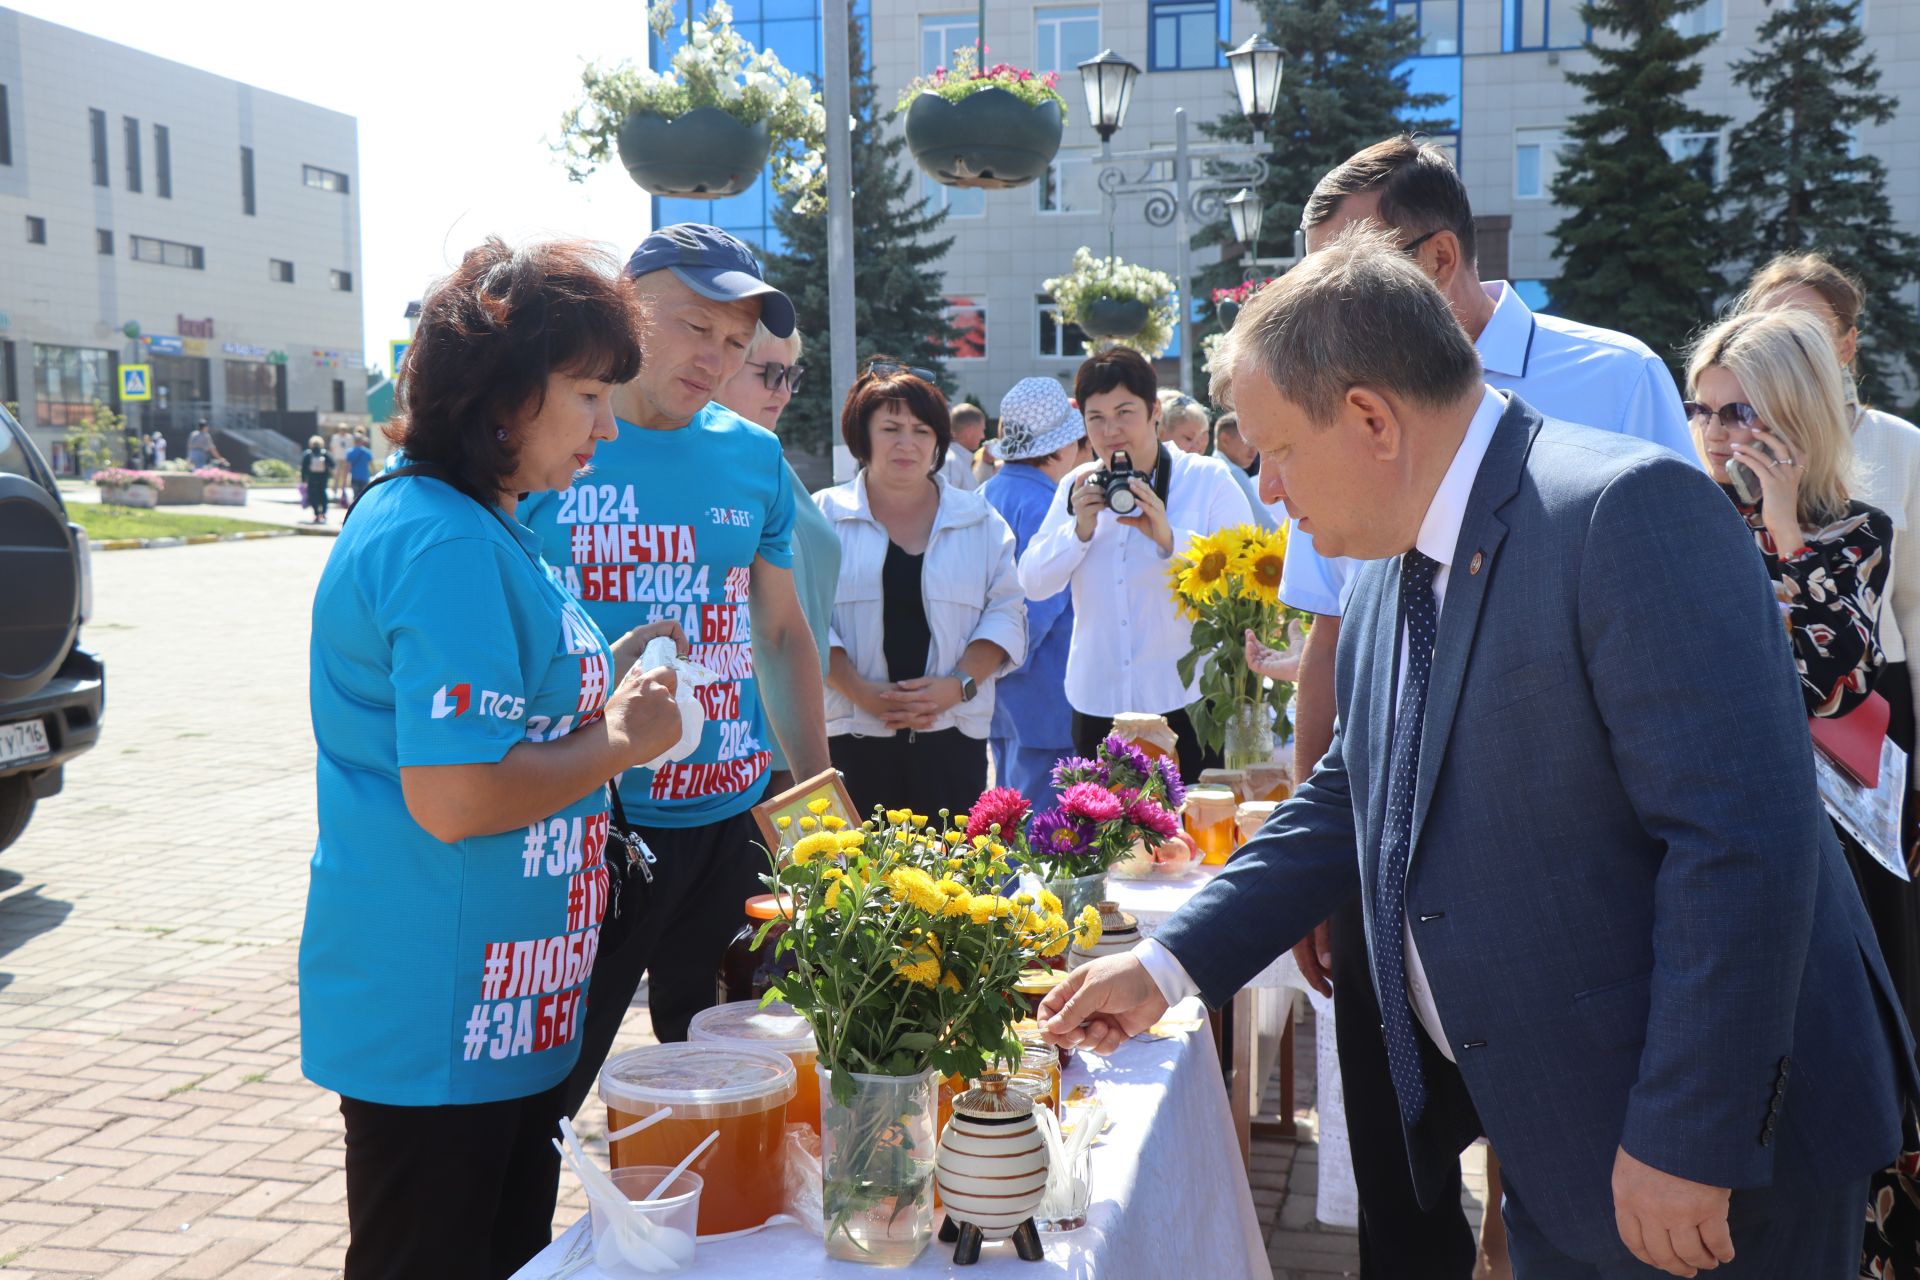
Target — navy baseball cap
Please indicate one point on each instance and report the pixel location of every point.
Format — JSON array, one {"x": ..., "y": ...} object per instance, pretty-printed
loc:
[{"x": 714, "y": 265}]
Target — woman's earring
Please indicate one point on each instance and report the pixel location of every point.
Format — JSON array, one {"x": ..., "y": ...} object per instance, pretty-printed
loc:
[{"x": 500, "y": 434}]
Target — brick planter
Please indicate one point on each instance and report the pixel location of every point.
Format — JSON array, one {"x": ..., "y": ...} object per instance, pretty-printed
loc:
[{"x": 129, "y": 495}]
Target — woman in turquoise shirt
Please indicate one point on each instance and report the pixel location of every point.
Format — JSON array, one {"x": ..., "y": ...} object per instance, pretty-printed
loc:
[{"x": 467, "y": 716}]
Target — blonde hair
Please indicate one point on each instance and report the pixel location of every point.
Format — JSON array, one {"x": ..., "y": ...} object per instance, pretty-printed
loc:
[
  {"x": 762, "y": 336},
  {"x": 1787, "y": 367}
]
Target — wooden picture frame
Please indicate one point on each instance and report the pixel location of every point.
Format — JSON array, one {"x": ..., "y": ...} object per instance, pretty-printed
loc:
[{"x": 794, "y": 803}]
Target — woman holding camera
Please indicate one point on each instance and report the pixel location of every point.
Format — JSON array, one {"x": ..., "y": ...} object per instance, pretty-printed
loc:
[
  {"x": 467, "y": 715},
  {"x": 928, "y": 613},
  {"x": 1114, "y": 524}
]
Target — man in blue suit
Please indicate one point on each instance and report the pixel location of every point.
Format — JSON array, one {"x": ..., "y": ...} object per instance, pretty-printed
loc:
[{"x": 1609, "y": 922}]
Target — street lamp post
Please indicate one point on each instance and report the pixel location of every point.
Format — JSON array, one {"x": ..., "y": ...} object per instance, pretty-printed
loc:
[{"x": 1187, "y": 197}]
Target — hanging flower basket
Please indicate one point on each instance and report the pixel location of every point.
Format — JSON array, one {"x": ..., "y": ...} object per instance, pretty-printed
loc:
[
  {"x": 995, "y": 128},
  {"x": 1117, "y": 302},
  {"x": 706, "y": 126},
  {"x": 1227, "y": 302},
  {"x": 1228, "y": 311},
  {"x": 702, "y": 155}
]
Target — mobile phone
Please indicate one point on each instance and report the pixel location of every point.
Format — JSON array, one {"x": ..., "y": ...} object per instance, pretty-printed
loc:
[{"x": 1745, "y": 483}]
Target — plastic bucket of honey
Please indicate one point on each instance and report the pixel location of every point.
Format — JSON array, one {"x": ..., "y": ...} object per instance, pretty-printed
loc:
[
  {"x": 741, "y": 1093},
  {"x": 745, "y": 1025},
  {"x": 1209, "y": 820}
]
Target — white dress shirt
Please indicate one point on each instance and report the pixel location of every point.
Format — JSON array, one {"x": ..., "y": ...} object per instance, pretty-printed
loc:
[
  {"x": 1439, "y": 535},
  {"x": 957, "y": 470},
  {"x": 1128, "y": 637},
  {"x": 1574, "y": 372}
]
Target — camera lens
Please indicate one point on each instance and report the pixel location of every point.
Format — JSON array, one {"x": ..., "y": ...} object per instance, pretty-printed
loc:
[{"x": 1120, "y": 499}]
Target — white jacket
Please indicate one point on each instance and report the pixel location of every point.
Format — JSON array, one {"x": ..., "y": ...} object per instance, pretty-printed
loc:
[{"x": 968, "y": 586}]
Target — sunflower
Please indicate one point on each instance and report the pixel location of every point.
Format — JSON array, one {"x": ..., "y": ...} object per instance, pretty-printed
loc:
[
  {"x": 1259, "y": 569},
  {"x": 1208, "y": 561}
]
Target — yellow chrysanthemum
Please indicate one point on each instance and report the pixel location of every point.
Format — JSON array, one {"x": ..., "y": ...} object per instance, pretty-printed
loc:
[
  {"x": 955, "y": 864},
  {"x": 783, "y": 822},
  {"x": 820, "y": 806},
  {"x": 919, "y": 819},
  {"x": 819, "y": 844},
  {"x": 956, "y": 837},
  {"x": 1024, "y": 899},
  {"x": 914, "y": 886},
  {"x": 950, "y": 982},
  {"x": 1058, "y": 947},
  {"x": 980, "y": 909},
  {"x": 833, "y": 822},
  {"x": 1086, "y": 930},
  {"x": 850, "y": 839},
  {"x": 835, "y": 879},
  {"x": 897, "y": 816},
  {"x": 923, "y": 973},
  {"x": 1049, "y": 903},
  {"x": 808, "y": 824},
  {"x": 981, "y": 842}
]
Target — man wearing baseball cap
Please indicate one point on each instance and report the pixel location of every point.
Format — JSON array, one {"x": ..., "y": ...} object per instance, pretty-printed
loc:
[
  {"x": 686, "y": 516},
  {"x": 1042, "y": 438}
]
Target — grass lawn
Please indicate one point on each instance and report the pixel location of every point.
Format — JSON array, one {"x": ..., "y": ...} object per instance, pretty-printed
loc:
[{"x": 103, "y": 522}]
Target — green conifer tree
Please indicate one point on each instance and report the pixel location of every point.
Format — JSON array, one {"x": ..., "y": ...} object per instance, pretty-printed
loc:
[
  {"x": 1642, "y": 229},
  {"x": 899, "y": 303},
  {"x": 1802, "y": 183}
]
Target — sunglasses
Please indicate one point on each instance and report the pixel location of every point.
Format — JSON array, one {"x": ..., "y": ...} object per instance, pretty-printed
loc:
[
  {"x": 1731, "y": 415},
  {"x": 887, "y": 368},
  {"x": 773, "y": 373}
]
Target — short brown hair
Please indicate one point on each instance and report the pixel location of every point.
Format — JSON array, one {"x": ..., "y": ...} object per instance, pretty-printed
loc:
[
  {"x": 968, "y": 411},
  {"x": 1840, "y": 291},
  {"x": 1420, "y": 191},
  {"x": 1359, "y": 313},
  {"x": 1114, "y": 368},
  {"x": 490, "y": 335},
  {"x": 874, "y": 392}
]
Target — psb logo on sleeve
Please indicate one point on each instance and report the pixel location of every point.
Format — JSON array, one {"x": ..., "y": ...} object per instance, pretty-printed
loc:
[{"x": 455, "y": 700}]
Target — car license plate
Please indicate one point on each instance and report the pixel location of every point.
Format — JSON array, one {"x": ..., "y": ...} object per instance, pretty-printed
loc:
[{"x": 26, "y": 740}]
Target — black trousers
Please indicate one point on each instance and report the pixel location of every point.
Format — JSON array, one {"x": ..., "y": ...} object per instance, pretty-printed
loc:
[
  {"x": 1399, "y": 1240},
  {"x": 675, "y": 932},
  {"x": 1089, "y": 730},
  {"x": 924, "y": 772},
  {"x": 456, "y": 1192}
]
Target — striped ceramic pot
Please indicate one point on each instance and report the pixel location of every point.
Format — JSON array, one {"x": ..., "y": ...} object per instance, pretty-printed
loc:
[{"x": 991, "y": 1171}]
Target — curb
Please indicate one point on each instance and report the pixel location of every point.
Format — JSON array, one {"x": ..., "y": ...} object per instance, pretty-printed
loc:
[
  {"x": 316, "y": 530},
  {"x": 193, "y": 540}
]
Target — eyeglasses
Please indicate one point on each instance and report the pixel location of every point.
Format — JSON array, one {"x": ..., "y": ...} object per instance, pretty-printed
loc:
[
  {"x": 887, "y": 368},
  {"x": 773, "y": 373},
  {"x": 1412, "y": 247},
  {"x": 1731, "y": 415}
]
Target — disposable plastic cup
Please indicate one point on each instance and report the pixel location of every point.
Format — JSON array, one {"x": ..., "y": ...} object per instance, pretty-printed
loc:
[{"x": 676, "y": 1209}]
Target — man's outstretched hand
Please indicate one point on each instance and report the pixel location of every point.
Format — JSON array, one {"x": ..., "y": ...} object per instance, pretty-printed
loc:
[{"x": 1102, "y": 1005}]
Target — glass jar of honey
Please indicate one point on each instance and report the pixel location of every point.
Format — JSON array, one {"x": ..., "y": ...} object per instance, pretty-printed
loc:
[
  {"x": 1035, "y": 985},
  {"x": 741, "y": 1093},
  {"x": 750, "y": 965},
  {"x": 1151, "y": 733},
  {"x": 1208, "y": 817},
  {"x": 1234, "y": 780},
  {"x": 1272, "y": 781},
  {"x": 1253, "y": 815},
  {"x": 1038, "y": 1075},
  {"x": 746, "y": 1025}
]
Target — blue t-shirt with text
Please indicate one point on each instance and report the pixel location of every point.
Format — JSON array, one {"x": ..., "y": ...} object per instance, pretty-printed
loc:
[
  {"x": 667, "y": 525},
  {"x": 434, "y": 973}
]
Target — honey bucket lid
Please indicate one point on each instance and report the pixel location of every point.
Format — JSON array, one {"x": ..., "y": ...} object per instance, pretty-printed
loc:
[
  {"x": 747, "y": 1023},
  {"x": 769, "y": 906},
  {"x": 1036, "y": 980},
  {"x": 697, "y": 1079}
]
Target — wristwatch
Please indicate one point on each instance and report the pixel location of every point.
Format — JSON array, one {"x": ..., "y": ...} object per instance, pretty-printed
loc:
[{"x": 968, "y": 689}]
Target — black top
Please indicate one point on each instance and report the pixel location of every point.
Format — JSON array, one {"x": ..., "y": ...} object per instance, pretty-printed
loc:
[{"x": 905, "y": 636}]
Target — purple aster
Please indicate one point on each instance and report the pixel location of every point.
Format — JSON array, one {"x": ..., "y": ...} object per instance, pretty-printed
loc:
[
  {"x": 1169, "y": 773},
  {"x": 1074, "y": 769},
  {"x": 1125, "y": 762},
  {"x": 1056, "y": 834}
]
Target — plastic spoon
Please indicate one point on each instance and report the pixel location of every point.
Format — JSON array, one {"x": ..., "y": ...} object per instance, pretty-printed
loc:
[
  {"x": 620, "y": 1135},
  {"x": 684, "y": 1165}
]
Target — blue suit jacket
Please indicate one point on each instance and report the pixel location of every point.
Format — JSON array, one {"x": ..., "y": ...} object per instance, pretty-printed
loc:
[{"x": 1635, "y": 919}]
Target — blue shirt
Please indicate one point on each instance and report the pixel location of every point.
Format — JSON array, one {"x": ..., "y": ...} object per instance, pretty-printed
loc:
[
  {"x": 1575, "y": 372},
  {"x": 1030, "y": 702},
  {"x": 433, "y": 973},
  {"x": 360, "y": 463},
  {"x": 668, "y": 525}
]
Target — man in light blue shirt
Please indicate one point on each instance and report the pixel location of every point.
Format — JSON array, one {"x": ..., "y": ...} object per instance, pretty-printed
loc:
[{"x": 1575, "y": 372}]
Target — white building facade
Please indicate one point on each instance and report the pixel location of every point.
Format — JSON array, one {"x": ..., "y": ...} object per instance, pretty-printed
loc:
[{"x": 151, "y": 213}]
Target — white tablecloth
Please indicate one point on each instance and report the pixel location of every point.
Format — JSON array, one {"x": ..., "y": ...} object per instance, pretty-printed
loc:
[
  {"x": 1169, "y": 1195},
  {"x": 1152, "y": 901}
]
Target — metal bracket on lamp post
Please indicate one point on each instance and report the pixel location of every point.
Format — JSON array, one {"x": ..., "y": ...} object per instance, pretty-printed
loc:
[{"x": 1184, "y": 200}]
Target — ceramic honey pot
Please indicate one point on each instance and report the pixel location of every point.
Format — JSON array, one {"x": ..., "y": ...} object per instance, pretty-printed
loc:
[{"x": 991, "y": 1171}]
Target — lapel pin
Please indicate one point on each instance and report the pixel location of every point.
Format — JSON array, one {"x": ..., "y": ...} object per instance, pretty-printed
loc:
[{"x": 1473, "y": 565}]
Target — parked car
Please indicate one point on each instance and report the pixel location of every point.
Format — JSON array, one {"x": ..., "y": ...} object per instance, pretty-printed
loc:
[{"x": 52, "y": 689}]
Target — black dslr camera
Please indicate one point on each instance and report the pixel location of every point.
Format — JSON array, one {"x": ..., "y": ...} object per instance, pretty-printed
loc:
[{"x": 1115, "y": 484}]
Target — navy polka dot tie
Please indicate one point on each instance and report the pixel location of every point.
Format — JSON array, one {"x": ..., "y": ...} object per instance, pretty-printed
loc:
[{"x": 1421, "y": 614}]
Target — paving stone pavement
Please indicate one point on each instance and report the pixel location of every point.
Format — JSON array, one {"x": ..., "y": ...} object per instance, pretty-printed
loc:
[{"x": 153, "y": 1118}]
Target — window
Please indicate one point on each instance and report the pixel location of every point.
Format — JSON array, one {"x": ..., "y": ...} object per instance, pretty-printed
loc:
[
  {"x": 1698, "y": 152},
  {"x": 940, "y": 35},
  {"x": 36, "y": 230},
  {"x": 168, "y": 253},
  {"x": 1704, "y": 21},
  {"x": 6, "y": 129},
  {"x": 279, "y": 271},
  {"x": 1542, "y": 24},
  {"x": 131, "y": 131},
  {"x": 252, "y": 385},
  {"x": 1437, "y": 21},
  {"x": 1071, "y": 184},
  {"x": 246, "y": 181},
  {"x": 340, "y": 281},
  {"x": 68, "y": 382},
  {"x": 968, "y": 318},
  {"x": 1062, "y": 341},
  {"x": 339, "y": 396},
  {"x": 97, "y": 128},
  {"x": 1065, "y": 38},
  {"x": 103, "y": 241},
  {"x": 324, "y": 179},
  {"x": 1184, "y": 35},
  {"x": 162, "y": 162},
  {"x": 1536, "y": 162}
]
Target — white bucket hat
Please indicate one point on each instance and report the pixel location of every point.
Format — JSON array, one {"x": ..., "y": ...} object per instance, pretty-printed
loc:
[{"x": 1036, "y": 419}]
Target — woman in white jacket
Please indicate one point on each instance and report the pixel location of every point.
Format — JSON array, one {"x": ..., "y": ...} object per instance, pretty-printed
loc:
[{"x": 928, "y": 612}]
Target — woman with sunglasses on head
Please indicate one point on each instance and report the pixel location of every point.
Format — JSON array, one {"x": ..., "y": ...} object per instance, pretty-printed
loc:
[{"x": 760, "y": 393}]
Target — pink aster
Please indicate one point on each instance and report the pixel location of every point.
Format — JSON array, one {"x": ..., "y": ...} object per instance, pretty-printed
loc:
[
  {"x": 1003, "y": 807},
  {"x": 1094, "y": 803},
  {"x": 1155, "y": 817}
]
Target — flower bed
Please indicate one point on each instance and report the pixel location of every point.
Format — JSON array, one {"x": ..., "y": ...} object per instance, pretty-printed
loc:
[
  {"x": 123, "y": 488},
  {"x": 222, "y": 488}
]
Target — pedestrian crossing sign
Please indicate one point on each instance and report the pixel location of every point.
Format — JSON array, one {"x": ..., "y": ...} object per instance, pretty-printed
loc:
[
  {"x": 136, "y": 382},
  {"x": 396, "y": 352}
]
